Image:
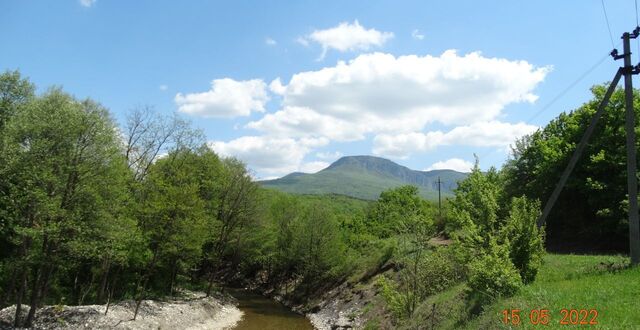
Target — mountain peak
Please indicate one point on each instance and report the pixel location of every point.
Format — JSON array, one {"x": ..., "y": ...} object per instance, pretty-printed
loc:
[{"x": 366, "y": 177}]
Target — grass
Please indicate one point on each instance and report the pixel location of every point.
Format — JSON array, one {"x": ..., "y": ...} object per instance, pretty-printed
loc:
[{"x": 603, "y": 283}]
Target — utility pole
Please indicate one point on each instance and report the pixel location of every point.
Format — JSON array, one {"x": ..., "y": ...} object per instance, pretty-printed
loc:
[
  {"x": 628, "y": 70},
  {"x": 630, "y": 126},
  {"x": 439, "y": 199}
]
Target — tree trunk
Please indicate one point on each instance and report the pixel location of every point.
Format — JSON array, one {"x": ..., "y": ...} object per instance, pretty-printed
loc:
[
  {"x": 110, "y": 291},
  {"x": 19, "y": 296},
  {"x": 105, "y": 280},
  {"x": 11, "y": 287},
  {"x": 33, "y": 300},
  {"x": 210, "y": 286},
  {"x": 174, "y": 272}
]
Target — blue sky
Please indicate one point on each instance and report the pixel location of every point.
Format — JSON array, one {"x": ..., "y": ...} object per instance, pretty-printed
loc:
[{"x": 424, "y": 83}]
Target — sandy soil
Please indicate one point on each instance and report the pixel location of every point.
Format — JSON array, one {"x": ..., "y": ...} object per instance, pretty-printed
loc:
[{"x": 193, "y": 311}]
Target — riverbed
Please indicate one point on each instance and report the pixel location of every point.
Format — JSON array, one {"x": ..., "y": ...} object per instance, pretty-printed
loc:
[{"x": 260, "y": 313}]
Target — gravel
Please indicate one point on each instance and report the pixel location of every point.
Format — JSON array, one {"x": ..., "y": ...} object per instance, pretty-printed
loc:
[{"x": 193, "y": 311}]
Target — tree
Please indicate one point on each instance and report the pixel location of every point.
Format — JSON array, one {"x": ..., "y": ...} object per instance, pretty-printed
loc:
[
  {"x": 599, "y": 178},
  {"x": 15, "y": 92},
  {"x": 176, "y": 194},
  {"x": 389, "y": 214},
  {"x": 59, "y": 167},
  {"x": 236, "y": 208}
]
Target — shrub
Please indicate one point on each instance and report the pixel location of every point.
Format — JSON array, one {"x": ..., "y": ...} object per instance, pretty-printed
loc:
[
  {"x": 521, "y": 229},
  {"x": 439, "y": 270},
  {"x": 493, "y": 274}
]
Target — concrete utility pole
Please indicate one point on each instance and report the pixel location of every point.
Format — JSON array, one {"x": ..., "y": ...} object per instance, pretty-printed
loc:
[
  {"x": 630, "y": 126},
  {"x": 628, "y": 70}
]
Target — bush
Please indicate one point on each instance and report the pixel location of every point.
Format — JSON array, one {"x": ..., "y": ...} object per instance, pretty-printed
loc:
[
  {"x": 439, "y": 271},
  {"x": 396, "y": 302},
  {"x": 493, "y": 275},
  {"x": 527, "y": 243}
]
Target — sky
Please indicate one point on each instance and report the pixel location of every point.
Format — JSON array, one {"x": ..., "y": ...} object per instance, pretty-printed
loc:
[{"x": 293, "y": 85}]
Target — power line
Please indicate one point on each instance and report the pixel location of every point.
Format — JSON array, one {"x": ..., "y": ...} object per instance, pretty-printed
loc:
[
  {"x": 636, "y": 1},
  {"x": 558, "y": 97},
  {"x": 606, "y": 18},
  {"x": 637, "y": 25}
]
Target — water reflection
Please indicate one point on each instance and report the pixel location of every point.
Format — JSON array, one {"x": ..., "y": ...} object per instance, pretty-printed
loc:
[{"x": 261, "y": 313}]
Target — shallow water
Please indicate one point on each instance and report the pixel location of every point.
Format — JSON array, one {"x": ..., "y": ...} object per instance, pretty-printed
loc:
[{"x": 261, "y": 313}]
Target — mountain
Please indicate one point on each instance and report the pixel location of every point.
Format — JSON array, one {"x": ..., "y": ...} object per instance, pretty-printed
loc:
[{"x": 366, "y": 177}]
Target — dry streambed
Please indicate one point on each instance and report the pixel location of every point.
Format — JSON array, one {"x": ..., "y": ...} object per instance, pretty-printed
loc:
[{"x": 193, "y": 311}]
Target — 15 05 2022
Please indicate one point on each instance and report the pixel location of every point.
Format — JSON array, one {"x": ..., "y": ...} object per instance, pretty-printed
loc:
[{"x": 566, "y": 316}]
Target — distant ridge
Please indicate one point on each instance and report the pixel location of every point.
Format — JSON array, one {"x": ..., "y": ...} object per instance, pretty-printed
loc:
[{"x": 366, "y": 177}]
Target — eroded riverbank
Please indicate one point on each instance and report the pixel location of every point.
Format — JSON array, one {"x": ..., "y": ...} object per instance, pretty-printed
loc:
[{"x": 191, "y": 311}]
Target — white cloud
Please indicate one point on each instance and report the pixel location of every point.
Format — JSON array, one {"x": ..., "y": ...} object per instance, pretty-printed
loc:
[
  {"x": 331, "y": 156},
  {"x": 87, "y": 3},
  {"x": 226, "y": 98},
  {"x": 415, "y": 34},
  {"x": 163, "y": 87},
  {"x": 380, "y": 93},
  {"x": 302, "y": 41},
  {"x": 455, "y": 164},
  {"x": 480, "y": 134},
  {"x": 270, "y": 42},
  {"x": 300, "y": 122},
  {"x": 273, "y": 156},
  {"x": 313, "y": 167},
  {"x": 346, "y": 37},
  {"x": 276, "y": 86}
]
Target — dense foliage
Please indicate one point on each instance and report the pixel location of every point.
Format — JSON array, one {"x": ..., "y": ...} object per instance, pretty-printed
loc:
[{"x": 597, "y": 184}]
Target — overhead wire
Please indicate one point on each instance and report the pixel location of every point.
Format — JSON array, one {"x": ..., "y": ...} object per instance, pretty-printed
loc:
[
  {"x": 558, "y": 96},
  {"x": 606, "y": 18},
  {"x": 580, "y": 78}
]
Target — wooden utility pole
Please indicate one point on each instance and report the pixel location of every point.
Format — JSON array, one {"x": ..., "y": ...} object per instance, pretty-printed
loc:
[
  {"x": 439, "y": 199},
  {"x": 628, "y": 70}
]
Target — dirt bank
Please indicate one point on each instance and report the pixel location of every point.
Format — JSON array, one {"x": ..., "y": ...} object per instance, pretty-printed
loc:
[{"x": 191, "y": 311}]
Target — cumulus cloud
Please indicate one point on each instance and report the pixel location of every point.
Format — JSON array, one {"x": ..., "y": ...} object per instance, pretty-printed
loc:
[
  {"x": 301, "y": 122},
  {"x": 226, "y": 98},
  {"x": 163, "y": 87},
  {"x": 276, "y": 86},
  {"x": 87, "y": 3},
  {"x": 480, "y": 134},
  {"x": 346, "y": 37},
  {"x": 270, "y": 42},
  {"x": 455, "y": 164},
  {"x": 331, "y": 156},
  {"x": 415, "y": 34},
  {"x": 270, "y": 155},
  {"x": 380, "y": 93},
  {"x": 313, "y": 167}
]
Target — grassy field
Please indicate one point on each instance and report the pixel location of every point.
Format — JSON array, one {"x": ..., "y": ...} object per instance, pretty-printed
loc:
[{"x": 602, "y": 283}]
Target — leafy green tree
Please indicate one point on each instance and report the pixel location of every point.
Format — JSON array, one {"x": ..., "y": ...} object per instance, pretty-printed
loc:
[
  {"x": 59, "y": 155},
  {"x": 175, "y": 195},
  {"x": 599, "y": 222},
  {"x": 390, "y": 214}
]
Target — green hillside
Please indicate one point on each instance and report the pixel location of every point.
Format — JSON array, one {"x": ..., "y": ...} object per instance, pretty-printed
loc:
[
  {"x": 581, "y": 282},
  {"x": 366, "y": 177}
]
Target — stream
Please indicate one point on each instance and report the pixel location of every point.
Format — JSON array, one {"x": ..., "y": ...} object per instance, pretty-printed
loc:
[{"x": 261, "y": 313}]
